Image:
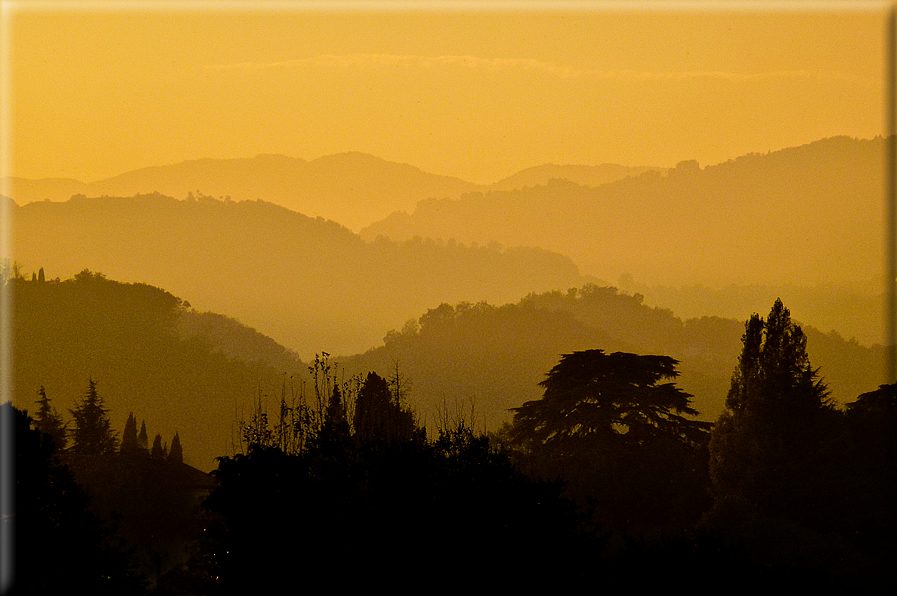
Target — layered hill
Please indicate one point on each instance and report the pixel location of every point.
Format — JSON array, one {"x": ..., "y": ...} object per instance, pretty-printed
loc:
[
  {"x": 353, "y": 188},
  {"x": 805, "y": 215},
  {"x": 310, "y": 284},
  {"x": 584, "y": 175},
  {"x": 199, "y": 373}
]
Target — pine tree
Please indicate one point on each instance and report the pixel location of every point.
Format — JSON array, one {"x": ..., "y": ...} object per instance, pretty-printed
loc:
[
  {"x": 49, "y": 421},
  {"x": 92, "y": 433},
  {"x": 176, "y": 453}
]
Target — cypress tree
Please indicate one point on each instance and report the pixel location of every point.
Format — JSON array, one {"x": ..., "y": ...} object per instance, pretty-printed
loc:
[
  {"x": 129, "y": 444},
  {"x": 176, "y": 453},
  {"x": 158, "y": 451},
  {"x": 143, "y": 438}
]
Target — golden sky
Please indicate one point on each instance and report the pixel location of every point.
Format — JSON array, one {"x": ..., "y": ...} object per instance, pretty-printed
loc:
[{"x": 94, "y": 89}]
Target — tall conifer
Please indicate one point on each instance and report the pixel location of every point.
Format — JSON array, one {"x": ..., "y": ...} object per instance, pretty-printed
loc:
[
  {"x": 49, "y": 421},
  {"x": 92, "y": 433}
]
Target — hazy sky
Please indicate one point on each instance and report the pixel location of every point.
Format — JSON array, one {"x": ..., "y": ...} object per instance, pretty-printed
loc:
[{"x": 96, "y": 89}]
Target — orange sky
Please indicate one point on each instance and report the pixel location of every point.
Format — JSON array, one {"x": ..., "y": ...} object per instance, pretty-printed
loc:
[{"x": 96, "y": 89}]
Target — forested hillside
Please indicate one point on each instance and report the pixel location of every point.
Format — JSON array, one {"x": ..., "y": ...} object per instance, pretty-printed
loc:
[
  {"x": 126, "y": 338},
  {"x": 491, "y": 358},
  {"x": 199, "y": 373}
]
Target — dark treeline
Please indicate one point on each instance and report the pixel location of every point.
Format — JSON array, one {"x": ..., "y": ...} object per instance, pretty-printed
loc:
[{"x": 608, "y": 478}]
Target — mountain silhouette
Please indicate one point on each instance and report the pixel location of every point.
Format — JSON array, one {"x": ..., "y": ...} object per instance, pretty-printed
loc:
[
  {"x": 803, "y": 223},
  {"x": 352, "y": 188}
]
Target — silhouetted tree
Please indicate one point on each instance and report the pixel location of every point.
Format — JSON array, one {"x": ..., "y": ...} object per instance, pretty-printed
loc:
[
  {"x": 870, "y": 469},
  {"x": 92, "y": 432},
  {"x": 48, "y": 421},
  {"x": 143, "y": 438},
  {"x": 176, "y": 453},
  {"x": 129, "y": 444},
  {"x": 158, "y": 451},
  {"x": 770, "y": 444},
  {"x": 612, "y": 398},
  {"x": 40, "y": 275},
  {"x": 488, "y": 522},
  {"x": 379, "y": 414},
  {"x": 336, "y": 427},
  {"x": 608, "y": 426}
]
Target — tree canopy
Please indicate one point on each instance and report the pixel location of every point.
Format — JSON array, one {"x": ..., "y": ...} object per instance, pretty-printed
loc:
[
  {"x": 772, "y": 445},
  {"x": 774, "y": 372},
  {"x": 617, "y": 397},
  {"x": 379, "y": 415},
  {"x": 614, "y": 428}
]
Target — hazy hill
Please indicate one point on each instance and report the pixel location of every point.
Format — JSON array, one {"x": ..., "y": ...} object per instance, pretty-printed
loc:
[
  {"x": 580, "y": 174},
  {"x": 491, "y": 358},
  {"x": 804, "y": 223},
  {"x": 805, "y": 215},
  {"x": 44, "y": 189},
  {"x": 354, "y": 188},
  {"x": 126, "y": 337},
  {"x": 310, "y": 284}
]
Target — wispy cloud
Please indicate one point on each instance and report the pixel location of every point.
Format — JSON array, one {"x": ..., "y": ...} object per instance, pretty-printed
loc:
[
  {"x": 538, "y": 66},
  {"x": 408, "y": 61}
]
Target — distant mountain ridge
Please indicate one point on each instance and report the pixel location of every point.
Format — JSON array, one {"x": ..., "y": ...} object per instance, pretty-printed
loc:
[
  {"x": 805, "y": 215},
  {"x": 354, "y": 189},
  {"x": 584, "y": 175},
  {"x": 702, "y": 240}
]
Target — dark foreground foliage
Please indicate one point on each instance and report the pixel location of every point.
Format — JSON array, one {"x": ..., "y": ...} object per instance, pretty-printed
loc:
[
  {"x": 61, "y": 547},
  {"x": 394, "y": 515}
]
